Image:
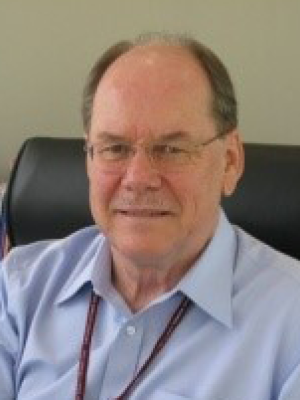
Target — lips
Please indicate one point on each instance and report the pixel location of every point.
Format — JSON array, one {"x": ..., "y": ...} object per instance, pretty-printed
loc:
[{"x": 143, "y": 213}]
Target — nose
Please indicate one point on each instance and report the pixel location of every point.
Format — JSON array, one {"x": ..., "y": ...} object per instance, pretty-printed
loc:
[{"x": 140, "y": 173}]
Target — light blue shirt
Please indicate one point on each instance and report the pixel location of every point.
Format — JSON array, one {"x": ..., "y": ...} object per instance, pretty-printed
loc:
[{"x": 239, "y": 341}]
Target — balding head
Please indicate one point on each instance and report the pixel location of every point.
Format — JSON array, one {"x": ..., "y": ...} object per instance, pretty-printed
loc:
[{"x": 223, "y": 102}]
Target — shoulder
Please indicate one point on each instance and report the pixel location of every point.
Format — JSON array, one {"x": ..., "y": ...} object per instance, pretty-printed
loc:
[
  {"x": 49, "y": 257},
  {"x": 265, "y": 269},
  {"x": 257, "y": 252}
]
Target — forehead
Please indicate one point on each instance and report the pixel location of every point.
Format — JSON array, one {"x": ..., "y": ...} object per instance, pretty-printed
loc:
[
  {"x": 157, "y": 67},
  {"x": 149, "y": 82}
]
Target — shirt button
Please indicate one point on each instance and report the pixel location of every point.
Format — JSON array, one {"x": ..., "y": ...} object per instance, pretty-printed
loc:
[{"x": 130, "y": 329}]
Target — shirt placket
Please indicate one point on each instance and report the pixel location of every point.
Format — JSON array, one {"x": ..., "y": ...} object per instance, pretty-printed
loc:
[{"x": 123, "y": 359}]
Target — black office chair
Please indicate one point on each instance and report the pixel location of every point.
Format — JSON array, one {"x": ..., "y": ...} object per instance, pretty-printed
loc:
[{"x": 47, "y": 194}]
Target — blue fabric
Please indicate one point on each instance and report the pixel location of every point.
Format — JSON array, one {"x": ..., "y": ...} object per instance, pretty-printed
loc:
[
  {"x": 239, "y": 341},
  {"x": 2, "y": 231}
]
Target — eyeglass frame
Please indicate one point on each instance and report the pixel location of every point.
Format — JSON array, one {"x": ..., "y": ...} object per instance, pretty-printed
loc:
[{"x": 132, "y": 149}]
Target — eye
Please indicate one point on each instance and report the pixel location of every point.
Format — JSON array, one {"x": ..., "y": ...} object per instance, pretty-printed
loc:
[
  {"x": 167, "y": 149},
  {"x": 113, "y": 151}
]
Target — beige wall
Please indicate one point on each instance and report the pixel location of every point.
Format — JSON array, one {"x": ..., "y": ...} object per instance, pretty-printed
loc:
[{"x": 47, "y": 47}]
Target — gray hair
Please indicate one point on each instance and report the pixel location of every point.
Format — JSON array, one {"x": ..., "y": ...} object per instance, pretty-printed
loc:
[{"x": 224, "y": 103}]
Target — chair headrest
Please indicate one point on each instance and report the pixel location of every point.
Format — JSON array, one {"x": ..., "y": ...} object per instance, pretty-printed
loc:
[{"x": 47, "y": 196}]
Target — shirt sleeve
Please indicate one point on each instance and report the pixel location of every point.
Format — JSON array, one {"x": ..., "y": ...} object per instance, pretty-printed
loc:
[{"x": 8, "y": 343}]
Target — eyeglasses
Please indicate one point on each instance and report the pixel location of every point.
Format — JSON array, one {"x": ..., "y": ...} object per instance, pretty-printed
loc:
[{"x": 114, "y": 156}]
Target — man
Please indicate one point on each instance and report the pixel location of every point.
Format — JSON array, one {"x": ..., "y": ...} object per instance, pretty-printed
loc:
[{"x": 183, "y": 305}]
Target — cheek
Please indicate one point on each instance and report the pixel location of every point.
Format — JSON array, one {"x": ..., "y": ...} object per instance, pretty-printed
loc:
[
  {"x": 202, "y": 196},
  {"x": 101, "y": 190}
]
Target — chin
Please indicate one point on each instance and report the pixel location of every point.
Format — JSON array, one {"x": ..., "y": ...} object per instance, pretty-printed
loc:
[{"x": 141, "y": 250}]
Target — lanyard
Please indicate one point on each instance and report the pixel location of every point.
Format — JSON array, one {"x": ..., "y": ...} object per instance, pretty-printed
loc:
[{"x": 174, "y": 321}]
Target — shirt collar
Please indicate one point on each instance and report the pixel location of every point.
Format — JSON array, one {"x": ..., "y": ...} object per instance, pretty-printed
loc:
[
  {"x": 209, "y": 283},
  {"x": 94, "y": 269}
]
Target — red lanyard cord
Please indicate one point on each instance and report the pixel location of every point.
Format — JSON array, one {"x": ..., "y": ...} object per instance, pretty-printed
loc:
[
  {"x": 175, "y": 320},
  {"x": 85, "y": 347}
]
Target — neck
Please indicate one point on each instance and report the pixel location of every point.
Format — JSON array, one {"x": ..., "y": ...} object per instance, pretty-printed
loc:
[
  {"x": 141, "y": 278},
  {"x": 139, "y": 284}
]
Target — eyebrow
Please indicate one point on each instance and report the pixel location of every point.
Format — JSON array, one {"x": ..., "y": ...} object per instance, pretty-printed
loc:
[
  {"x": 177, "y": 135},
  {"x": 113, "y": 137},
  {"x": 110, "y": 137}
]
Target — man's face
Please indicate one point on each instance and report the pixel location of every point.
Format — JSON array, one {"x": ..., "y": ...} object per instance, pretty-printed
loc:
[{"x": 148, "y": 94}]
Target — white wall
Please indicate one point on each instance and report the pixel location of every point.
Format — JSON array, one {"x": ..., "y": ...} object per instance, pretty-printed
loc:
[{"x": 48, "y": 46}]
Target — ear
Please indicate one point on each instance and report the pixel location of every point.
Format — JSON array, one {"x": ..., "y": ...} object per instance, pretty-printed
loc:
[
  {"x": 87, "y": 159},
  {"x": 234, "y": 162}
]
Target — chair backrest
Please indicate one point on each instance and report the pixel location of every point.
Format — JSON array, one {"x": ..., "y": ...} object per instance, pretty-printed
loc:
[
  {"x": 47, "y": 195},
  {"x": 267, "y": 201}
]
